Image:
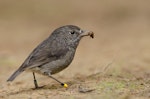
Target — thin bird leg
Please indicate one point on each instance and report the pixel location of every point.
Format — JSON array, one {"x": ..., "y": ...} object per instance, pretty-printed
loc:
[
  {"x": 35, "y": 81},
  {"x": 62, "y": 84}
]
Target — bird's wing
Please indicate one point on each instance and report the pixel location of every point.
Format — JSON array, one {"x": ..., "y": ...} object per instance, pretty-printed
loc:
[{"x": 44, "y": 53}]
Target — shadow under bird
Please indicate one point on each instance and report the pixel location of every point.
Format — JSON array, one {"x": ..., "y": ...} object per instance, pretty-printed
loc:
[{"x": 54, "y": 54}]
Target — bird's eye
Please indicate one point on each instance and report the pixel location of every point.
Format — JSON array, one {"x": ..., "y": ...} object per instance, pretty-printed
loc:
[{"x": 72, "y": 32}]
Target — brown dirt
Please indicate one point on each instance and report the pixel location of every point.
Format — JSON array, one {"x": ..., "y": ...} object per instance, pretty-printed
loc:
[{"x": 115, "y": 64}]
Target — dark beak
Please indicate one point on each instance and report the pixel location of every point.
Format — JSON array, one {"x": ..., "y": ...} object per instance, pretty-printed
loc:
[{"x": 87, "y": 33}]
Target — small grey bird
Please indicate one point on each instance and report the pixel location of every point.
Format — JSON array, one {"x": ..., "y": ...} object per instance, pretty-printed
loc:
[{"x": 54, "y": 54}]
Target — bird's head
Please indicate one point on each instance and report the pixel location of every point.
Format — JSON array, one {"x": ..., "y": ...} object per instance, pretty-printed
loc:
[{"x": 71, "y": 34}]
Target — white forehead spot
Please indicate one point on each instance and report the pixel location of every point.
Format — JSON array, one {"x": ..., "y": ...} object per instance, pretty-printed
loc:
[{"x": 80, "y": 31}]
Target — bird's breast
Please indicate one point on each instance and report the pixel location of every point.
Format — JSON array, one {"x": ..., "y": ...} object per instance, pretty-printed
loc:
[{"x": 59, "y": 64}]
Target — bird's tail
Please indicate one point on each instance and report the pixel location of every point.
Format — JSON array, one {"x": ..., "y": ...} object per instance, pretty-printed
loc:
[{"x": 14, "y": 75}]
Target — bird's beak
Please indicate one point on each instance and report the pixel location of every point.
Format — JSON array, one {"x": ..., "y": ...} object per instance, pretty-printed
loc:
[{"x": 87, "y": 33}]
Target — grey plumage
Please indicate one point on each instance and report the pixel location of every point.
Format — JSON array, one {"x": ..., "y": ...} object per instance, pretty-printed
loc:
[{"x": 55, "y": 53}]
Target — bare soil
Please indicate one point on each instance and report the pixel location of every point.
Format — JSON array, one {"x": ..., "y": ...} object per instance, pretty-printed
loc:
[{"x": 113, "y": 65}]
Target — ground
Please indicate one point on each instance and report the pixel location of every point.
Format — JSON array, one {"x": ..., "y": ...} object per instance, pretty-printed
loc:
[{"x": 113, "y": 65}]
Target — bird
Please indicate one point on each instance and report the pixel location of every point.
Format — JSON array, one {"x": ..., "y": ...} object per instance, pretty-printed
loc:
[{"x": 54, "y": 54}]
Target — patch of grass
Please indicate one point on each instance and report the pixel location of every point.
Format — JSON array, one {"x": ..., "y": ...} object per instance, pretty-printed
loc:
[
  {"x": 119, "y": 88},
  {"x": 111, "y": 86}
]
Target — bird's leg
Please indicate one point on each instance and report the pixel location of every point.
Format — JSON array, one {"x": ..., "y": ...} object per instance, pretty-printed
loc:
[
  {"x": 35, "y": 81},
  {"x": 62, "y": 84}
]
